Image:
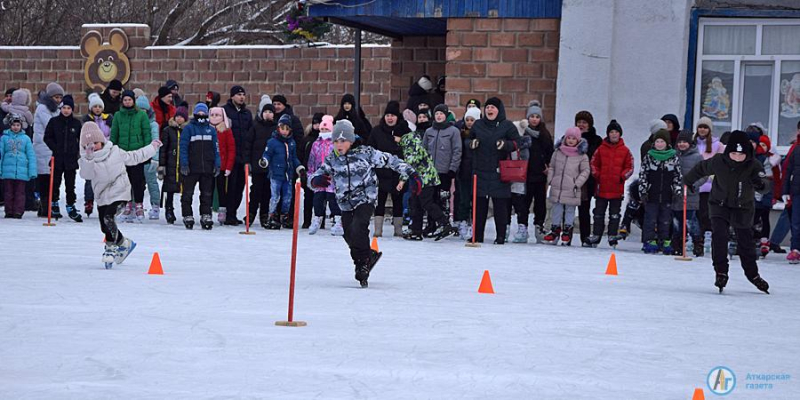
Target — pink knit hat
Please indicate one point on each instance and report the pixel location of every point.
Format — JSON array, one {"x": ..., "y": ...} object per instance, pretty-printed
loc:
[
  {"x": 573, "y": 132},
  {"x": 326, "y": 124}
]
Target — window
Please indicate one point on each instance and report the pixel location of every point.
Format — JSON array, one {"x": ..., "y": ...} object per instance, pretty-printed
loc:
[{"x": 748, "y": 70}]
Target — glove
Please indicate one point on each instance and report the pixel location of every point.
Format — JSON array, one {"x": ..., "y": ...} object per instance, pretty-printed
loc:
[
  {"x": 227, "y": 173},
  {"x": 321, "y": 181},
  {"x": 161, "y": 171},
  {"x": 474, "y": 144},
  {"x": 415, "y": 184},
  {"x": 301, "y": 170},
  {"x": 786, "y": 198},
  {"x": 501, "y": 144},
  {"x": 156, "y": 143},
  {"x": 185, "y": 170},
  {"x": 263, "y": 163},
  {"x": 451, "y": 174},
  {"x": 215, "y": 171},
  {"x": 89, "y": 152}
]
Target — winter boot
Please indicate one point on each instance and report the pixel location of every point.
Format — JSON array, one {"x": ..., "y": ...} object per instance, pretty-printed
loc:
[
  {"x": 286, "y": 221},
  {"x": 650, "y": 247},
  {"x": 337, "y": 229},
  {"x": 591, "y": 241},
  {"x": 222, "y": 215},
  {"x": 314, "y": 227},
  {"x": 169, "y": 215},
  {"x": 764, "y": 247},
  {"x": 508, "y": 232},
  {"x": 154, "y": 212},
  {"x": 124, "y": 250},
  {"x": 206, "y": 222},
  {"x": 760, "y": 283},
  {"x": 188, "y": 221},
  {"x": 666, "y": 248},
  {"x": 274, "y": 222},
  {"x": 464, "y": 230},
  {"x": 73, "y": 213},
  {"x": 264, "y": 220},
  {"x": 56, "y": 214},
  {"x": 721, "y": 281},
  {"x": 522, "y": 234},
  {"x": 776, "y": 248},
  {"x": 566, "y": 236},
  {"x": 552, "y": 236},
  {"x": 88, "y": 207},
  {"x": 377, "y": 226},
  {"x": 42, "y": 213},
  {"x": 398, "y": 226},
  {"x": 127, "y": 213},
  {"x": 108, "y": 255},
  {"x": 793, "y": 257},
  {"x": 139, "y": 213}
]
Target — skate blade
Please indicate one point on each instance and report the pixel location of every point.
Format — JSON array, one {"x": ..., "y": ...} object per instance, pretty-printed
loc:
[
  {"x": 109, "y": 265},
  {"x": 364, "y": 284}
]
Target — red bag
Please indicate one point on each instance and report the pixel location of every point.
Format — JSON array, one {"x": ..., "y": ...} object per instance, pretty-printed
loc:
[{"x": 512, "y": 171}]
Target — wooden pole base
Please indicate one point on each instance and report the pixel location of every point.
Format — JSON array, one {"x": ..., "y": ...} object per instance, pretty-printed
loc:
[
  {"x": 290, "y": 323},
  {"x": 475, "y": 245},
  {"x": 683, "y": 258},
  {"x": 48, "y": 224},
  {"x": 247, "y": 233}
]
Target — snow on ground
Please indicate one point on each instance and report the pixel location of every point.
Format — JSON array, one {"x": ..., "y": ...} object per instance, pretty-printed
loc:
[{"x": 557, "y": 327}]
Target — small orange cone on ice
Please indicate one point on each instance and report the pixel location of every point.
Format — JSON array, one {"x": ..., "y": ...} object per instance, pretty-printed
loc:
[
  {"x": 612, "y": 265},
  {"x": 698, "y": 394},
  {"x": 374, "y": 245},
  {"x": 155, "y": 266},
  {"x": 486, "y": 284}
]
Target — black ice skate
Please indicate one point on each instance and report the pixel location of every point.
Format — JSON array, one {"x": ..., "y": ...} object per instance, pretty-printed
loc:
[
  {"x": 206, "y": 222},
  {"x": 72, "y": 213},
  {"x": 444, "y": 231},
  {"x": 760, "y": 283},
  {"x": 722, "y": 281},
  {"x": 188, "y": 222}
]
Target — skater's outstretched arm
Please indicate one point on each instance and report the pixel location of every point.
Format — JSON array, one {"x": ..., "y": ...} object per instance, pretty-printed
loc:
[
  {"x": 702, "y": 169},
  {"x": 385, "y": 160},
  {"x": 137, "y": 157}
]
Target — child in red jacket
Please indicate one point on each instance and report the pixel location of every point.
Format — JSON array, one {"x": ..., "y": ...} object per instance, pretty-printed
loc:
[
  {"x": 227, "y": 153},
  {"x": 612, "y": 165}
]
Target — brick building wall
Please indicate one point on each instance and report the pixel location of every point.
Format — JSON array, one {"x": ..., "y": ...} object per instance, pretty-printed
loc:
[
  {"x": 412, "y": 57},
  {"x": 515, "y": 59}
]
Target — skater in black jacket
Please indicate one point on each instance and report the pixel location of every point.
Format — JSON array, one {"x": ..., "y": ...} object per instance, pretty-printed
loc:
[{"x": 737, "y": 176}]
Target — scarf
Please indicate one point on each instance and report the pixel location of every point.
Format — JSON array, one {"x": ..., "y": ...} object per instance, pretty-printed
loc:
[
  {"x": 569, "y": 151},
  {"x": 534, "y": 134},
  {"x": 661, "y": 155}
]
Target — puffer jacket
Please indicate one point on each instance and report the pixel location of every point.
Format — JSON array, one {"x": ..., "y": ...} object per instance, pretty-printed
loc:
[
  {"x": 199, "y": 148},
  {"x": 382, "y": 139},
  {"x": 660, "y": 181},
  {"x": 567, "y": 174},
  {"x": 17, "y": 158},
  {"x": 612, "y": 165},
  {"x": 241, "y": 120},
  {"x": 320, "y": 149},
  {"x": 62, "y": 136},
  {"x": 444, "y": 145},
  {"x": 106, "y": 170},
  {"x": 354, "y": 174},
  {"x": 103, "y": 122},
  {"x": 486, "y": 158},
  {"x": 131, "y": 129},
  {"x": 255, "y": 142},
  {"x": 540, "y": 150},
  {"x": 689, "y": 159},
  {"x": 227, "y": 149},
  {"x": 281, "y": 153},
  {"x": 716, "y": 148},
  {"x": 415, "y": 154},
  {"x": 20, "y": 104},
  {"x": 46, "y": 110},
  {"x": 169, "y": 156}
]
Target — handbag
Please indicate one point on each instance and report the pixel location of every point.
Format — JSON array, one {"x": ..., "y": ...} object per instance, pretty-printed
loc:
[{"x": 513, "y": 170}]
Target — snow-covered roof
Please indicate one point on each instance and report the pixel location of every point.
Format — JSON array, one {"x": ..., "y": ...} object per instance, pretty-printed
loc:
[
  {"x": 115, "y": 26},
  {"x": 40, "y": 47}
]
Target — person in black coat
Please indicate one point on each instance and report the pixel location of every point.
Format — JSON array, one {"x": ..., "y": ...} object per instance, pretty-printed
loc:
[
  {"x": 492, "y": 138},
  {"x": 731, "y": 204},
  {"x": 281, "y": 108},
  {"x": 347, "y": 111},
  {"x": 241, "y": 120},
  {"x": 419, "y": 93},
  {"x": 254, "y": 144},
  {"x": 385, "y": 137},
  {"x": 585, "y": 122},
  {"x": 168, "y": 160},
  {"x": 112, "y": 97},
  {"x": 62, "y": 135}
]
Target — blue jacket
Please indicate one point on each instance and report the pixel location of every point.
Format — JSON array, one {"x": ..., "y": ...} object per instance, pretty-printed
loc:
[
  {"x": 17, "y": 158},
  {"x": 281, "y": 154},
  {"x": 199, "y": 148}
]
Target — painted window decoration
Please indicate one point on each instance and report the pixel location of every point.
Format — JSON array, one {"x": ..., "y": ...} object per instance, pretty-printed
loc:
[
  {"x": 717, "y": 83},
  {"x": 789, "y": 101}
]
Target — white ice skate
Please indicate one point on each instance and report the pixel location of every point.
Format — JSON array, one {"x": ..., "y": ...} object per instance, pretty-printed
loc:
[
  {"x": 154, "y": 213},
  {"x": 316, "y": 222},
  {"x": 124, "y": 250},
  {"x": 522, "y": 234},
  {"x": 337, "y": 229}
]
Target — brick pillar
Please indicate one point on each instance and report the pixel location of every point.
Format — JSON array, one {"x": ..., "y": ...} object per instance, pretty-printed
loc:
[
  {"x": 511, "y": 58},
  {"x": 412, "y": 57}
]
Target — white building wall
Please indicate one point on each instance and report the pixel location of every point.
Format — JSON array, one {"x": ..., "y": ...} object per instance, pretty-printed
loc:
[{"x": 623, "y": 60}]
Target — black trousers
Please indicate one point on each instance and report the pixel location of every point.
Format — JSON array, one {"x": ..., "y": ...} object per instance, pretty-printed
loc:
[
  {"x": 356, "y": 231},
  {"x": 426, "y": 203},
  {"x": 308, "y": 206},
  {"x": 222, "y": 184},
  {"x": 259, "y": 195},
  {"x": 744, "y": 246},
  {"x": 138, "y": 182},
  {"x": 43, "y": 187},
  {"x": 206, "y": 193},
  {"x": 236, "y": 190},
  {"x": 69, "y": 182},
  {"x": 536, "y": 194},
  {"x": 761, "y": 225},
  {"x": 397, "y": 203},
  {"x": 585, "y": 218},
  {"x": 702, "y": 214},
  {"x": 108, "y": 222},
  {"x": 30, "y": 197},
  {"x": 500, "y": 217},
  {"x": 600, "y": 206},
  {"x": 463, "y": 210}
]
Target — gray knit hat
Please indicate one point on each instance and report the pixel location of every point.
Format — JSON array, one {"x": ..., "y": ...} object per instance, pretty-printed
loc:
[
  {"x": 657, "y": 125},
  {"x": 343, "y": 130},
  {"x": 95, "y": 100},
  {"x": 54, "y": 89},
  {"x": 534, "y": 107}
]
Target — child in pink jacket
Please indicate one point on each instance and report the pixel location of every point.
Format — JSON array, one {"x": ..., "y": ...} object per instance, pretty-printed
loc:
[{"x": 319, "y": 150}]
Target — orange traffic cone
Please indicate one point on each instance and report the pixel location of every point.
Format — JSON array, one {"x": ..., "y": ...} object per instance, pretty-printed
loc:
[
  {"x": 374, "y": 245},
  {"x": 612, "y": 265},
  {"x": 486, "y": 284},
  {"x": 699, "y": 394},
  {"x": 155, "y": 265}
]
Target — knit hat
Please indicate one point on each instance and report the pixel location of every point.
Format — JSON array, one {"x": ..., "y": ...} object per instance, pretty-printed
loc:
[
  {"x": 474, "y": 112},
  {"x": 269, "y": 107},
  {"x": 764, "y": 139},
  {"x": 738, "y": 142},
  {"x": 474, "y": 102},
  {"x": 317, "y": 118},
  {"x": 163, "y": 91},
  {"x": 348, "y": 98},
  {"x": 685, "y": 136},
  {"x": 285, "y": 119},
  {"x": 68, "y": 101},
  {"x": 441, "y": 108},
  {"x": 236, "y": 89},
  {"x": 54, "y": 89},
  {"x": 91, "y": 133},
  {"x": 137, "y": 92},
  {"x": 219, "y": 110},
  {"x": 706, "y": 121},
  {"x": 265, "y": 99},
  {"x": 200, "y": 107},
  {"x": 343, "y": 130},
  {"x": 171, "y": 84},
  {"x": 664, "y": 135},
  {"x": 534, "y": 107},
  {"x": 493, "y": 101},
  {"x": 393, "y": 107},
  {"x": 326, "y": 124},
  {"x": 127, "y": 93},
  {"x": 143, "y": 103},
  {"x": 183, "y": 112},
  {"x": 425, "y": 83},
  {"x": 614, "y": 126},
  {"x": 11, "y": 118},
  {"x": 95, "y": 100},
  {"x": 573, "y": 132},
  {"x": 753, "y": 135},
  {"x": 115, "y": 84},
  {"x": 279, "y": 98},
  {"x": 584, "y": 116},
  {"x": 657, "y": 125},
  {"x": 410, "y": 116}
]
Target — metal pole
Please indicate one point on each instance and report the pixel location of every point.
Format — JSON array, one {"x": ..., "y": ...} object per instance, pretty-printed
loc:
[{"x": 357, "y": 71}]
